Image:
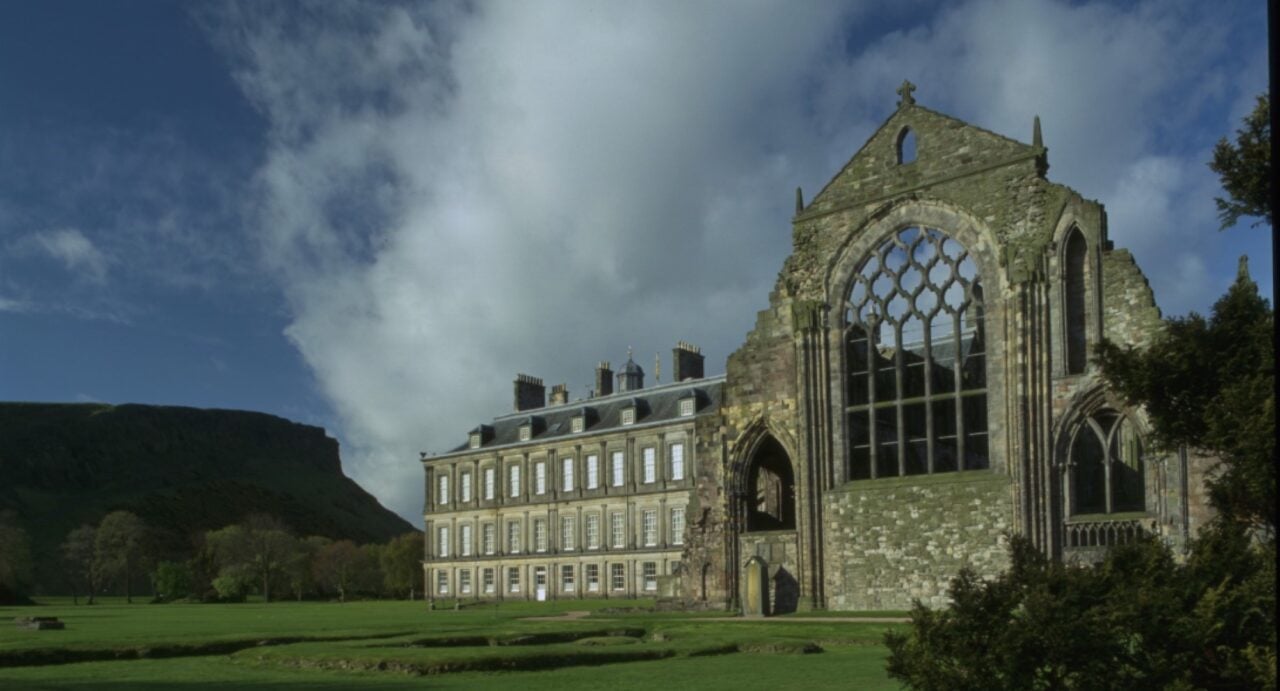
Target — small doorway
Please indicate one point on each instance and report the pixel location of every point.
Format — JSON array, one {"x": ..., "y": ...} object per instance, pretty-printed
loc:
[{"x": 540, "y": 583}]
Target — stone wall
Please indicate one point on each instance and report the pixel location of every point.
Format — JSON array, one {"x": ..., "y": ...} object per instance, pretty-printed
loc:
[
  {"x": 781, "y": 553},
  {"x": 896, "y": 540},
  {"x": 1129, "y": 311}
]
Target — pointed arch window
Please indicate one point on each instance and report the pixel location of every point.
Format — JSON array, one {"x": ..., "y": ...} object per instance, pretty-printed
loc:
[
  {"x": 906, "y": 146},
  {"x": 1074, "y": 294},
  {"x": 1106, "y": 467},
  {"x": 916, "y": 359}
]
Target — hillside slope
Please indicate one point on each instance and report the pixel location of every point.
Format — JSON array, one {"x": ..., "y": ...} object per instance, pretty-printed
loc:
[{"x": 183, "y": 470}]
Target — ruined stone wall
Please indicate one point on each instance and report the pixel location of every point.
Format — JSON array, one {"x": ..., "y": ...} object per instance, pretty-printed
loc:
[
  {"x": 896, "y": 540},
  {"x": 1130, "y": 315}
]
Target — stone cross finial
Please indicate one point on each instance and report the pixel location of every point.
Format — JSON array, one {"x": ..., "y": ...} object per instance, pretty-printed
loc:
[{"x": 905, "y": 92}]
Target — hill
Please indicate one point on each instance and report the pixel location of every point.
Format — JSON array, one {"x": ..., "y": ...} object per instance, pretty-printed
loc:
[{"x": 184, "y": 470}]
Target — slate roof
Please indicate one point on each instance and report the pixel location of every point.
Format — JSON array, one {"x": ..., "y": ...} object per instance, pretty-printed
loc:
[{"x": 654, "y": 405}]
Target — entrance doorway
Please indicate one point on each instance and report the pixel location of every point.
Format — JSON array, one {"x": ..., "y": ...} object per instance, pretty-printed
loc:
[
  {"x": 771, "y": 488},
  {"x": 540, "y": 583}
]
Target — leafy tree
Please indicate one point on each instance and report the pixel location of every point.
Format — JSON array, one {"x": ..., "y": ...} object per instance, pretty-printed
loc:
[
  {"x": 78, "y": 552},
  {"x": 299, "y": 571},
  {"x": 402, "y": 564},
  {"x": 233, "y": 583},
  {"x": 1209, "y": 384},
  {"x": 1245, "y": 168},
  {"x": 341, "y": 566},
  {"x": 171, "y": 580},
  {"x": 120, "y": 546},
  {"x": 262, "y": 545},
  {"x": 15, "y": 559}
]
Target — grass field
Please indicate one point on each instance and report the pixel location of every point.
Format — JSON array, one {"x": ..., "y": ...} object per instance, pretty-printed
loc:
[{"x": 401, "y": 645}]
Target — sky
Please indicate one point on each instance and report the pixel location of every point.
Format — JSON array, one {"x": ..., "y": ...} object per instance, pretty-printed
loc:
[{"x": 370, "y": 216}]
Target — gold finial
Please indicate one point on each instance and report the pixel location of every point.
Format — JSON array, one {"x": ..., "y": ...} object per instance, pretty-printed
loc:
[{"x": 905, "y": 92}]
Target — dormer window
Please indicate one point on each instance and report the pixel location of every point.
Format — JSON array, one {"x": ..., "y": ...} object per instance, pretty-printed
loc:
[
  {"x": 479, "y": 436},
  {"x": 578, "y": 424},
  {"x": 687, "y": 406},
  {"x": 526, "y": 432},
  {"x": 629, "y": 416}
]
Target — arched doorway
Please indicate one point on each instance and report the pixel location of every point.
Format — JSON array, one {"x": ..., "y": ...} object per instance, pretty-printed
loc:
[{"x": 771, "y": 487}]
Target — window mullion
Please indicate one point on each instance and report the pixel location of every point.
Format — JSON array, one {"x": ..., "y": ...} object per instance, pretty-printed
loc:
[{"x": 899, "y": 364}]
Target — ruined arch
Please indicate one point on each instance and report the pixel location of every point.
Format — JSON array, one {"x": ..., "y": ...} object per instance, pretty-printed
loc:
[{"x": 766, "y": 482}]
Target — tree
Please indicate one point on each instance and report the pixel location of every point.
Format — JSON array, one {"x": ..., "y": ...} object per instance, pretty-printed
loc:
[
  {"x": 299, "y": 571},
  {"x": 171, "y": 580},
  {"x": 1245, "y": 168},
  {"x": 1209, "y": 384},
  {"x": 120, "y": 546},
  {"x": 262, "y": 545},
  {"x": 402, "y": 564},
  {"x": 78, "y": 552},
  {"x": 15, "y": 559},
  {"x": 340, "y": 566}
]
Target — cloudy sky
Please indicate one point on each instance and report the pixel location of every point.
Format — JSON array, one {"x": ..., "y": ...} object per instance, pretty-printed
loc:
[{"x": 371, "y": 216}]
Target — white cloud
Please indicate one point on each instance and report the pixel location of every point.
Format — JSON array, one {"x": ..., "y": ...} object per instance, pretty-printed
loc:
[
  {"x": 449, "y": 198},
  {"x": 76, "y": 252}
]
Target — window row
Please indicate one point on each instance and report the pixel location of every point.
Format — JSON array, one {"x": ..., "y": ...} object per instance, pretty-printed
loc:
[
  {"x": 591, "y": 536},
  {"x": 590, "y": 475},
  {"x": 594, "y": 578}
]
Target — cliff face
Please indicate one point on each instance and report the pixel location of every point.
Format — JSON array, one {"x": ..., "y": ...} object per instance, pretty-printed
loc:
[{"x": 183, "y": 470}]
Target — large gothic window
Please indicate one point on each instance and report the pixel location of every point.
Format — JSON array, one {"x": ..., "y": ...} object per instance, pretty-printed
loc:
[
  {"x": 1074, "y": 294},
  {"x": 1106, "y": 466},
  {"x": 915, "y": 350}
]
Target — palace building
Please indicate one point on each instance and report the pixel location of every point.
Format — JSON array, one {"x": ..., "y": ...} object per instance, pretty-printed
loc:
[{"x": 918, "y": 389}]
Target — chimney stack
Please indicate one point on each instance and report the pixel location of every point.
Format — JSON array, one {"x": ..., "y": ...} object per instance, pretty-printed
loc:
[
  {"x": 686, "y": 362},
  {"x": 559, "y": 394},
  {"x": 529, "y": 392},
  {"x": 604, "y": 379}
]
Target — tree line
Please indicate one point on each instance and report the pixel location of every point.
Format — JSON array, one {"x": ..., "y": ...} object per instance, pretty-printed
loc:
[{"x": 260, "y": 555}]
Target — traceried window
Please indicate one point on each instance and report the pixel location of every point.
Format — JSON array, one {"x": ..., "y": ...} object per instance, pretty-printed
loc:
[
  {"x": 593, "y": 471},
  {"x": 650, "y": 466},
  {"x": 1106, "y": 466},
  {"x": 566, "y": 474},
  {"x": 677, "y": 461},
  {"x": 916, "y": 358}
]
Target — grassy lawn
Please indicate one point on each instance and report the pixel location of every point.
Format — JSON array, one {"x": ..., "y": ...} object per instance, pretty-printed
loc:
[{"x": 394, "y": 644}]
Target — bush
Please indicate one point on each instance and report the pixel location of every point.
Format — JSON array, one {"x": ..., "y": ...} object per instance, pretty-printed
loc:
[
  {"x": 172, "y": 581},
  {"x": 1136, "y": 620}
]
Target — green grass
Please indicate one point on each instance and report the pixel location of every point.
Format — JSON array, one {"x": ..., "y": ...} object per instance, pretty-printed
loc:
[{"x": 397, "y": 644}]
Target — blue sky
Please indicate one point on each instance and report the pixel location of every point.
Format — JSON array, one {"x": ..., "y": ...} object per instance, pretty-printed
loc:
[{"x": 371, "y": 216}]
